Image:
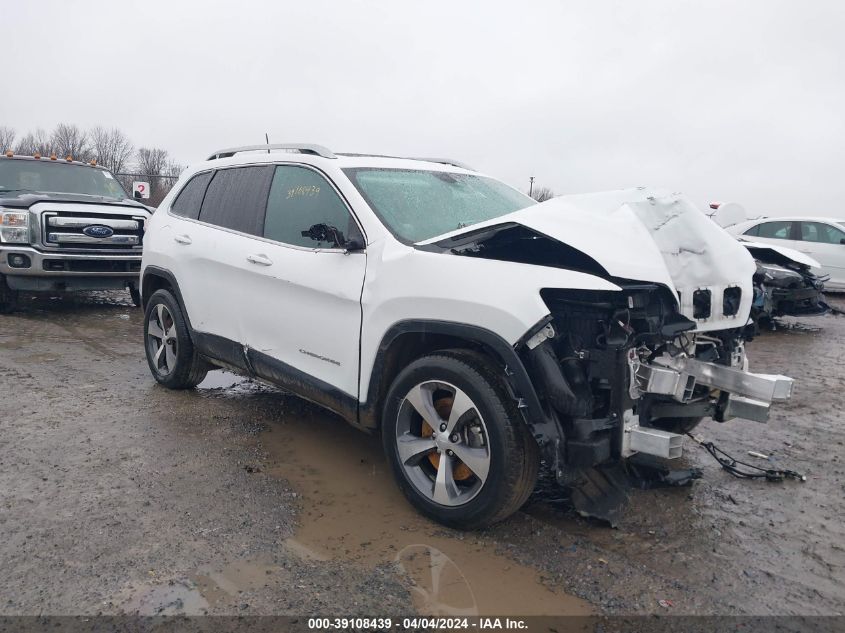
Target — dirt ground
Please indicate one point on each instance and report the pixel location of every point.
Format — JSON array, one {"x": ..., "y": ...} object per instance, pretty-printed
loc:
[{"x": 118, "y": 496}]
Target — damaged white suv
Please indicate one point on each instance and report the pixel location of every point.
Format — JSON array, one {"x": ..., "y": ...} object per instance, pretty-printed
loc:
[{"x": 483, "y": 335}]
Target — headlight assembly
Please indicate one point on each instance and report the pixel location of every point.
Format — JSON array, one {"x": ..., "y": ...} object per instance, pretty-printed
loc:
[{"x": 14, "y": 227}]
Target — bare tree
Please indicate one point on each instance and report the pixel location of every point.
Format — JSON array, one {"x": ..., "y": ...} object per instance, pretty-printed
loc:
[
  {"x": 7, "y": 138},
  {"x": 33, "y": 142},
  {"x": 71, "y": 140},
  {"x": 154, "y": 162},
  {"x": 541, "y": 194},
  {"x": 112, "y": 148},
  {"x": 151, "y": 161},
  {"x": 174, "y": 170}
]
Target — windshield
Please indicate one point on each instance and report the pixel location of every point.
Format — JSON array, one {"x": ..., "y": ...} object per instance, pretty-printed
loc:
[
  {"x": 55, "y": 177},
  {"x": 418, "y": 205}
]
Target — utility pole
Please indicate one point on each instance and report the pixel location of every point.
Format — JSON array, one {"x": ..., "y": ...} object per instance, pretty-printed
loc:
[
  {"x": 267, "y": 138},
  {"x": 531, "y": 185}
]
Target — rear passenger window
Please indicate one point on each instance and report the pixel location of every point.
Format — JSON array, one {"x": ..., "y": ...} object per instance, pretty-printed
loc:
[
  {"x": 776, "y": 230},
  {"x": 236, "y": 198},
  {"x": 188, "y": 201},
  {"x": 823, "y": 233},
  {"x": 301, "y": 199}
]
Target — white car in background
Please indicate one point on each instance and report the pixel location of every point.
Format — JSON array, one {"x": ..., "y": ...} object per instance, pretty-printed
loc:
[{"x": 823, "y": 239}]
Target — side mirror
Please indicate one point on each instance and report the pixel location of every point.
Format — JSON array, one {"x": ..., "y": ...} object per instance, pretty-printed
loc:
[
  {"x": 353, "y": 245},
  {"x": 329, "y": 233},
  {"x": 325, "y": 233}
]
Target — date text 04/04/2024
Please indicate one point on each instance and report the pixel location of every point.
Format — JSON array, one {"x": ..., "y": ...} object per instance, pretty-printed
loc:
[{"x": 416, "y": 623}]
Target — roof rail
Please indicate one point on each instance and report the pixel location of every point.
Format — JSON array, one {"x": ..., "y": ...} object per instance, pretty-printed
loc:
[
  {"x": 442, "y": 161},
  {"x": 302, "y": 148},
  {"x": 446, "y": 161}
]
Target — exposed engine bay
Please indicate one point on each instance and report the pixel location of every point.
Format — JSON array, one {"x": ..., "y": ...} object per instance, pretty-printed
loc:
[
  {"x": 629, "y": 372},
  {"x": 624, "y": 373},
  {"x": 784, "y": 285}
]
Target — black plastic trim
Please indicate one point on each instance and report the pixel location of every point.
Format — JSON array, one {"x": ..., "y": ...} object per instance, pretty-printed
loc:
[
  {"x": 155, "y": 271},
  {"x": 515, "y": 371},
  {"x": 220, "y": 348},
  {"x": 304, "y": 385}
]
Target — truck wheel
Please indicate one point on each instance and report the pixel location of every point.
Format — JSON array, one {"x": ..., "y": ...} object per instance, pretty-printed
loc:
[
  {"x": 455, "y": 441},
  {"x": 136, "y": 296},
  {"x": 171, "y": 355},
  {"x": 8, "y": 297}
]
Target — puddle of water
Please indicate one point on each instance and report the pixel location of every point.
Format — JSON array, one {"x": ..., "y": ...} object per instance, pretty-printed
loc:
[
  {"x": 352, "y": 510},
  {"x": 221, "y": 379},
  {"x": 177, "y": 598},
  {"x": 222, "y": 585},
  {"x": 199, "y": 593}
]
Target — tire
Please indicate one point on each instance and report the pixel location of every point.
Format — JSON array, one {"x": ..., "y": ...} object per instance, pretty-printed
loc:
[
  {"x": 136, "y": 296},
  {"x": 171, "y": 356},
  {"x": 676, "y": 425},
  {"x": 8, "y": 297},
  {"x": 490, "y": 435}
]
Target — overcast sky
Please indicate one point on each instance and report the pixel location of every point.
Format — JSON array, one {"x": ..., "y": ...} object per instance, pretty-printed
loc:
[{"x": 739, "y": 101}]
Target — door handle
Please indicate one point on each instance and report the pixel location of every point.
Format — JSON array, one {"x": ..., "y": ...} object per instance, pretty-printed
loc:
[
  {"x": 182, "y": 239},
  {"x": 261, "y": 260}
]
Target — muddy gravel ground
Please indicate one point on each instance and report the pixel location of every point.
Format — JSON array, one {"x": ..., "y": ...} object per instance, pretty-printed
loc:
[{"x": 118, "y": 496}]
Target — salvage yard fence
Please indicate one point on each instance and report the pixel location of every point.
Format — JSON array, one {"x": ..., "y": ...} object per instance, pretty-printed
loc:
[{"x": 160, "y": 184}]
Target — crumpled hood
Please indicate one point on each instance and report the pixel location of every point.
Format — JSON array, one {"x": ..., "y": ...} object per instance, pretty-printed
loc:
[
  {"x": 646, "y": 235},
  {"x": 759, "y": 250}
]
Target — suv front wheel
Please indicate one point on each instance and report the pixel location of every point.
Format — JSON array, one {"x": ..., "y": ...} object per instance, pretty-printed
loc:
[
  {"x": 171, "y": 355},
  {"x": 455, "y": 441}
]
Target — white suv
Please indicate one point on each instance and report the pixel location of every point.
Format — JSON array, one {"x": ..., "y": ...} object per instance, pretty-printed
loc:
[{"x": 483, "y": 335}]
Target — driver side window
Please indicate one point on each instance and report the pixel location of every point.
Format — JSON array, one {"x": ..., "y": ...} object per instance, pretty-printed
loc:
[
  {"x": 778, "y": 230},
  {"x": 300, "y": 199}
]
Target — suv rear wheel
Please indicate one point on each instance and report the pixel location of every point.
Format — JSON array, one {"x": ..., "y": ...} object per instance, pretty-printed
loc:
[
  {"x": 455, "y": 441},
  {"x": 171, "y": 355}
]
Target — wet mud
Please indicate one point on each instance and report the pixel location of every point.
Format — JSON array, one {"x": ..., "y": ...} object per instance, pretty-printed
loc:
[{"x": 119, "y": 496}]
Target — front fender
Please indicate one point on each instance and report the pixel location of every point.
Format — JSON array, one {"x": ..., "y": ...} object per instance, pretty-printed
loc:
[{"x": 404, "y": 283}]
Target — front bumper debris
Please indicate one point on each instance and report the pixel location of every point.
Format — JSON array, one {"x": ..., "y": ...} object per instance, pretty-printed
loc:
[
  {"x": 678, "y": 376},
  {"x": 743, "y": 394}
]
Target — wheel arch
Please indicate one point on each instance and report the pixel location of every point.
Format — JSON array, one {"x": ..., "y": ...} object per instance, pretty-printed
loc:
[
  {"x": 155, "y": 278},
  {"x": 408, "y": 340}
]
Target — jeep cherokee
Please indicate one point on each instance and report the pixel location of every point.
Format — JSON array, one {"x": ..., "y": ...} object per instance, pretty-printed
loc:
[{"x": 485, "y": 337}]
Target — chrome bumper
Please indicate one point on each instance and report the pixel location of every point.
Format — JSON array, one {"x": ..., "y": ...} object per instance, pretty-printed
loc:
[{"x": 76, "y": 260}]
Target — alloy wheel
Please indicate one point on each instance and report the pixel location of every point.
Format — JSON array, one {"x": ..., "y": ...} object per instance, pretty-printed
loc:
[
  {"x": 161, "y": 339},
  {"x": 442, "y": 443}
]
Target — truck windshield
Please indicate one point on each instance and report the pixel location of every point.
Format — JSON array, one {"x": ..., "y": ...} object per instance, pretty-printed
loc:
[
  {"x": 417, "y": 205},
  {"x": 57, "y": 177}
]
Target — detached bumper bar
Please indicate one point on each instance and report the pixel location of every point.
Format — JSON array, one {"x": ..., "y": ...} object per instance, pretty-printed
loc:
[
  {"x": 749, "y": 395},
  {"x": 765, "y": 387}
]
